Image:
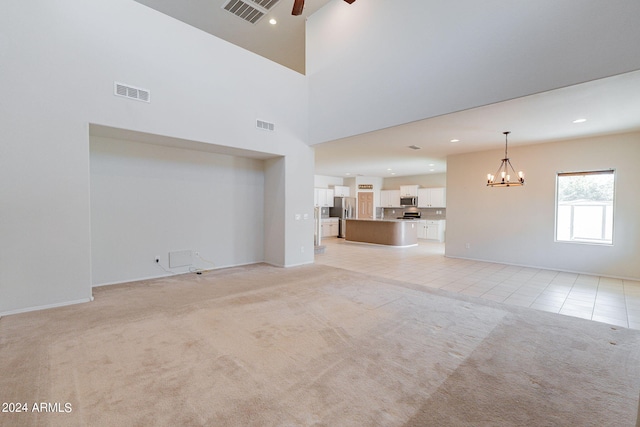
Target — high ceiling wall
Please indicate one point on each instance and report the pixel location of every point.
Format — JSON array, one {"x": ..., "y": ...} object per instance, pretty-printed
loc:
[
  {"x": 376, "y": 64},
  {"x": 59, "y": 62}
]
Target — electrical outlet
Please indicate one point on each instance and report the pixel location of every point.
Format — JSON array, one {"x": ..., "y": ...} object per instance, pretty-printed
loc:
[{"x": 467, "y": 245}]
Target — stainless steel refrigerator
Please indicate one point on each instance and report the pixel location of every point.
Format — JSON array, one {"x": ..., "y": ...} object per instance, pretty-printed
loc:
[{"x": 343, "y": 208}]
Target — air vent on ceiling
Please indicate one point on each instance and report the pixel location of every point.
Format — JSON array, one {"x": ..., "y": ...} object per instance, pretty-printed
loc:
[
  {"x": 132, "y": 92},
  {"x": 261, "y": 124},
  {"x": 267, "y": 4},
  {"x": 414, "y": 147},
  {"x": 249, "y": 10}
]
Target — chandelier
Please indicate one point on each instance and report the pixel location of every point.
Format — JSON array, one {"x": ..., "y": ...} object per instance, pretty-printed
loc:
[{"x": 502, "y": 174}]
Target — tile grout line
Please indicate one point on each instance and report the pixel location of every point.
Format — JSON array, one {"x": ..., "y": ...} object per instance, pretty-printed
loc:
[{"x": 471, "y": 277}]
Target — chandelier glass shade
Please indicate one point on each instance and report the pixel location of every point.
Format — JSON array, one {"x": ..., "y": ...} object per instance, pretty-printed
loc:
[{"x": 502, "y": 177}]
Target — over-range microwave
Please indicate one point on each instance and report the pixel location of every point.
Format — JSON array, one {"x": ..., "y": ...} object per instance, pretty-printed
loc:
[{"x": 408, "y": 201}]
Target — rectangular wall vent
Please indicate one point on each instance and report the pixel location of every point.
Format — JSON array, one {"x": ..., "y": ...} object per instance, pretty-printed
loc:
[
  {"x": 249, "y": 10},
  {"x": 267, "y": 4},
  {"x": 180, "y": 258},
  {"x": 261, "y": 124},
  {"x": 132, "y": 92}
]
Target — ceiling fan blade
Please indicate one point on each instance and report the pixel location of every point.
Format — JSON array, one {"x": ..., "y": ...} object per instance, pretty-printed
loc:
[
  {"x": 349, "y": 1},
  {"x": 297, "y": 7}
]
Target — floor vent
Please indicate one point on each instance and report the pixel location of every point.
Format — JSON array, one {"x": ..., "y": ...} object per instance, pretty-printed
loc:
[
  {"x": 132, "y": 92},
  {"x": 249, "y": 10},
  {"x": 261, "y": 124}
]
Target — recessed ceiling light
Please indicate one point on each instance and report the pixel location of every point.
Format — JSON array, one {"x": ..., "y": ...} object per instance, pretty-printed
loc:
[
  {"x": 393, "y": 173},
  {"x": 388, "y": 169},
  {"x": 272, "y": 21},
  {"x": 455, "y": 140},
  {"x": 348, "y": 173},
  {"x": 431, "y": 164},
  {"x": 431, "y": 170},
  {"x": 579, "y": 120}
]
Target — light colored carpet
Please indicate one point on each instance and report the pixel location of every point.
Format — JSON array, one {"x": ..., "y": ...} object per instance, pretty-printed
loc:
[{"x": 312, "y": 346}]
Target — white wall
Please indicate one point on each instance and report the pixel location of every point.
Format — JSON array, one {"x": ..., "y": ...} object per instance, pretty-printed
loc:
[
  {"x": 425, "y": 181},
  {"x": 59, "y": 61},
  {"x": 323, "y": 181},
  {"x": 516, "y": 225},
  {"x": 149, "y": 200},
  {"x": 298, "y": 211},
  {"x": 374, "y": 64},
  {"x": 275, "y": 218}
]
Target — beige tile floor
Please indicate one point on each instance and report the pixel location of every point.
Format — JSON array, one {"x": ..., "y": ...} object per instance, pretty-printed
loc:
[{"x": 603, "y": 299}]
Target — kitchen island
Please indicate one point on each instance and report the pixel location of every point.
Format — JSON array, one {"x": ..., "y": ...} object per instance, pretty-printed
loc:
[{"x": 391, "y": 232}]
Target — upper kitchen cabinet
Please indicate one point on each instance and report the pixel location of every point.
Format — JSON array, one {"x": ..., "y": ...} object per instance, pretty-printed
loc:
[
  {"x": 323, "y": 197},
  {"x": 329, "y": 197},
  {"x": 408, "y": 191},
  {"x": 341, "y": 191},
  {"x": 432, "y": 198},
  {"x": 390, "y": 198}
]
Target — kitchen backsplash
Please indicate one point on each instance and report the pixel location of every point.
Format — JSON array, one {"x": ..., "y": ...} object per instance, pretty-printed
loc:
[{"x": 426, "y": 213}]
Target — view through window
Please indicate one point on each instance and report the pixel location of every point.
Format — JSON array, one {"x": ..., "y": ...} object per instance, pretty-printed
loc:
[{"x": 584, "y": 207}]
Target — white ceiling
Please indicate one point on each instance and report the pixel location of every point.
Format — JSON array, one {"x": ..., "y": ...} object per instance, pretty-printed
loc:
[
  {"x": 283, "y": 43},
  {"x": 610, "y": 105}
]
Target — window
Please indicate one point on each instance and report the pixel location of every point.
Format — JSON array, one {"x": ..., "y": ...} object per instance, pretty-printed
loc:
[{"x": 584, "y": 207}]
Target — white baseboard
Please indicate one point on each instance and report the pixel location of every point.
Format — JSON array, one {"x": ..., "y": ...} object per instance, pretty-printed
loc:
[
  {"x": 45, "y": 307},
  {"x": 290, "y": 265},
  {"x": 141, "y": 279},
  {"x": 562, "y": 270},
  {"x": 162, "y": 276}
]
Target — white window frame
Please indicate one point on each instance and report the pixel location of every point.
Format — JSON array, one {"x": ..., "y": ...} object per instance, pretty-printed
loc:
[{"x": 589, "y": 241}]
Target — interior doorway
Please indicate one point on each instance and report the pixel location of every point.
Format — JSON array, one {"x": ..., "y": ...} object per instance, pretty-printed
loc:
[{"x": 365, "y": 205}]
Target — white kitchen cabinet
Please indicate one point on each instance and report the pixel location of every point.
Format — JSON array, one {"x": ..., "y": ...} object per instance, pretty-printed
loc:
[
  {"x": 334, "y": 227},
  {"x": 431, "y": 230},
  {"x": 424, "y": 197},
  {"x": 438, "y": 197},
  {"x": 323, "y": 197},
  {"x": 390, "y": 198},
  {"x": 341, "y": 191},
  {"x": 326, "y": 229},
  {"x": 329, "y": 197},
  {"x": 408, "y": 191},
  {"x": 329, "y": 227},
  {"x": 422, "y": 229},
  {"x": 431, "y": 197}
]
